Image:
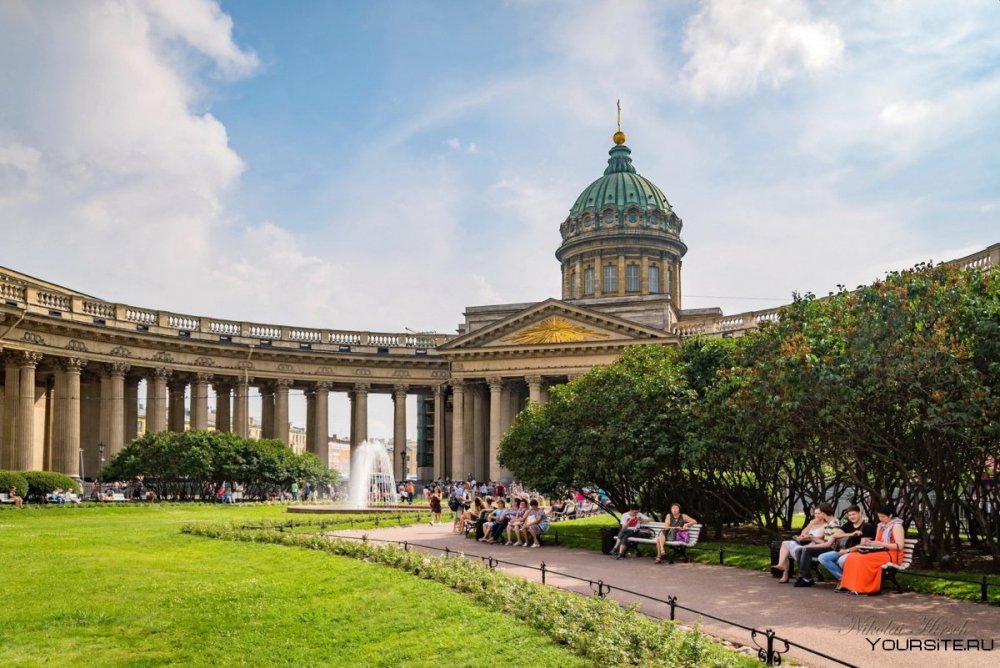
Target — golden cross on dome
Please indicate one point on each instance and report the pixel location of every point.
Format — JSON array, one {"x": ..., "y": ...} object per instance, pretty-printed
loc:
[{"x": 619, "y": 137}]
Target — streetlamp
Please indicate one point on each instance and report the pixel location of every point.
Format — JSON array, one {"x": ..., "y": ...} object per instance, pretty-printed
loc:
[
  {"x": 100, "y": 449},
  {"x": 404, "y": 455}
]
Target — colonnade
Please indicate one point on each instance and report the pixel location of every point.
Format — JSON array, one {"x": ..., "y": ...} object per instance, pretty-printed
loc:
[{"x": 59, "y": 412}]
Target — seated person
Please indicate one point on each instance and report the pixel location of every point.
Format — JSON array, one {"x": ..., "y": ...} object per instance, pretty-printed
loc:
[
  {"x": 809, "y": 552},
  {"x": 515, "y": 520},
  {"x": 535, "y": 524},
  {"x": 13, "y": 495},
  {"x": 863, "y": 568},
  {"x": 849, "y": 535},
  {"x": 630, "y": 526},
  {"x": 491, "y": 520},
  {"x": 812, "y": 533},
  {"x": 677, "y": 524},
  {"x": 503, "y": 516}
]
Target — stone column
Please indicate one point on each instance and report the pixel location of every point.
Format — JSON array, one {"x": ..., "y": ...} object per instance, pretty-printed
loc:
[
  {"x": 115, "y": 432},
  {"x": 439, "y": 435},
  {"x": 599, "y": 276},
  {"x": 24, "y": 444},
  {"x": 321, "y": 422},
  {"x": 644, "y": 275},
  {"x": 473, "y": 431},
  {"x": 359, "y": 416},
  {"x": 496, "y": 425},
  {"x": 241, "y": 407},
  {"x": 281, "y": 409},
  {"x": 621, "y": 275},
  {"x": 458, "y": 430},
  {"x": 310, "y": 420},
  {"x": 175, "y": 411},
  {"x": 398, "y": 430},
  {"x": 156, "y": 400},
  {"x": 534, "y": 387},
  {"x": 131, "y": 408},
  {"x": 267, "y": 411},
  {"x": 223, "y": 405},
  {"x": 199, "y": 401},
  {"x": 66, "y": 436},
  {"x": 577, "y": 287},
  {"x": 11, "y": 395}
]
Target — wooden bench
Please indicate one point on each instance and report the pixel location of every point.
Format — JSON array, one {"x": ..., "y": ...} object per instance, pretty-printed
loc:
[
  {"x": 890, "y": 569},
  {"x": 678, "y": 548},
  {"x": 4, "y": 498}
]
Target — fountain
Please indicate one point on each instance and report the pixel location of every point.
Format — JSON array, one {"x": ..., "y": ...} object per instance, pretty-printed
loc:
[{"x": 371, "y": 482}]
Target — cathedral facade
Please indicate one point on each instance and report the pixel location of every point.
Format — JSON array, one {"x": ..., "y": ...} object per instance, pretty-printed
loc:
[{"x": 72, "y": 364}]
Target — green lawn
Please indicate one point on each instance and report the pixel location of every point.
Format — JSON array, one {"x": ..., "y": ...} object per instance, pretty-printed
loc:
[{"x": 121, "y": 586}]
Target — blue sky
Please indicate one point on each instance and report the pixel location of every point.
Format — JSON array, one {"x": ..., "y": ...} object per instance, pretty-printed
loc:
[{"x": 381, "y": 165}]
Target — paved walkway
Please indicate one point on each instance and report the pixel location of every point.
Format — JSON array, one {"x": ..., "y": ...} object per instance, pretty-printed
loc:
[{"x": 841, "y": 626}]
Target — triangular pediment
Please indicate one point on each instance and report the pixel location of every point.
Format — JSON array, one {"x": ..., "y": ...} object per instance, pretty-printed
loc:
[{"x": 554, "y": 323}]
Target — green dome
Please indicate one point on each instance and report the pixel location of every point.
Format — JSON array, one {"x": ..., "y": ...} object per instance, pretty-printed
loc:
[{"x": 620, "y": 187}]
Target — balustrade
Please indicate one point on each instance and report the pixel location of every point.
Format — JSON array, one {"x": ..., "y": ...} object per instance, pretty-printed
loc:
[
  {"x": 264, "y": 331},
  {"x": 8, "y": 291},
  {"x": 99, "y": 309},
  {"x": 183, "y": 322},
  {"x": 143, "y": 317},
  {"x": 53, "y": 300},
  {"x": 228, "y": 328}
]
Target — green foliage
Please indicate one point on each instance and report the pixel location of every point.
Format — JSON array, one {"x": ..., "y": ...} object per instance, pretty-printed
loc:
[
  {"x": 890, "y": 393},
  {"x": 193, "y": 463},
  {"x": 41, "y": 483},
  {"x": 596, "y": 628},
  {"x": 13, "y": 479},
  {"x": 620, "y": 427}
]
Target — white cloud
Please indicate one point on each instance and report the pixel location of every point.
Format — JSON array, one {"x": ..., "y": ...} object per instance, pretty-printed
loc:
[
  {"x": 736, "y": 46},
  {"x": 454, "y": 143}
]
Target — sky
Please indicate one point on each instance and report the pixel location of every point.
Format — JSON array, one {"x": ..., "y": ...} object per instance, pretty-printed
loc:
[{"x": 381, "y": 165}]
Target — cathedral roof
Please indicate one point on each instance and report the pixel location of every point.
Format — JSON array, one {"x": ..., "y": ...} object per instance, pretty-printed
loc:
[{"x": 620, "y": 187}]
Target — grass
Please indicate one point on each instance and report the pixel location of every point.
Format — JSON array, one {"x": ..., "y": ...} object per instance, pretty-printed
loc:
[
  {"x": 121, "y": 586},
  {"x": 584, "y": 534}
]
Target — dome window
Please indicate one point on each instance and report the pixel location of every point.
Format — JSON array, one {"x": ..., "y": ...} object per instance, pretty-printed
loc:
[
  {"x": 654, "y": 279},
  {"x": 632, "y": 278}
]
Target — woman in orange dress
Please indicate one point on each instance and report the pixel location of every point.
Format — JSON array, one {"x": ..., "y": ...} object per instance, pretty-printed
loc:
[{"x": 863, "y": 569}]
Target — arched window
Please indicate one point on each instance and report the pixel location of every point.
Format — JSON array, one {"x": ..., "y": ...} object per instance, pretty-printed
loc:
[
  {"x": 654, "y": 278},
  {"x": 632, "y": 278},
  {"x": 588, "y": 281}
]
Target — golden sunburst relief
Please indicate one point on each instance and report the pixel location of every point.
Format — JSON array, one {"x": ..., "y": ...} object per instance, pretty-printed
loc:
[{"x": 554, "y": 330}]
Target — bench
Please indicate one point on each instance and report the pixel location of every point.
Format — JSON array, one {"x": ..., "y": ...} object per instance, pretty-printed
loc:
[
  {"x": 118, "y": 496},
  {"x": 5, "y": 498},
  {"x": 678, "y": 548},
  {"x": 890, "y": 569}
]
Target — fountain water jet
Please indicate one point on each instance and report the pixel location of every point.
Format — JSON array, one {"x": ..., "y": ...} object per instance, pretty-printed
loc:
[{"x": 372, "y": 482}]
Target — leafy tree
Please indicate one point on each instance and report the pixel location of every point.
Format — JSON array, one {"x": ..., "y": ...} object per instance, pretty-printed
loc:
[
  {"x": 619, "y": 427},
  {"x": 194, "y": 463}
]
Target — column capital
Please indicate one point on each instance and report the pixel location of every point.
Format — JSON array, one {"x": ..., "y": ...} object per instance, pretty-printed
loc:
[
  {"x": 28, "y": 360},
  {"x": 362, "y": 388},
  {"x": 439, "y": 390},
  {"x": 117, "y": 368},
  {"x": 162, "y": 372},
  {"x": 177, "y": 383},
  {"x": 266, "y": 389},
  {"x": 457, "y": 384},
  {"x": 495, "y": 383},
  {"x": 284, "y": 382},
  {"x": 72, "y": 364},
  {"x": 533, "y": 380},
  {"x": 323, "y": 385},
  {"x": 202, "y": 377},
  {"x": 400, "y": 391}
]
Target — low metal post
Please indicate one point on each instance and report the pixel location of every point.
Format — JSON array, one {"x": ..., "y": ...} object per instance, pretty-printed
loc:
[
  {"x": 672, "y": 600},
  {"x": 543, "y": 572},
  {"x": 722, "y": 555},
  {"x": 770, "y": 647},
  {"x": 406, "y": 546},
  {"x": 447, "y": 552},
  {"x": 984, "y": 592}
]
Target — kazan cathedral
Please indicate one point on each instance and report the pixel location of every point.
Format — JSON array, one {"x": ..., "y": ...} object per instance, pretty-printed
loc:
[{"x": 71, "y": 364}]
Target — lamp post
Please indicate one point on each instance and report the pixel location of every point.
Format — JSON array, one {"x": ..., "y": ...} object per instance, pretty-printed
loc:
[
  {"x": 100, "y": 450},
  {"x": 404, "y": 455}
]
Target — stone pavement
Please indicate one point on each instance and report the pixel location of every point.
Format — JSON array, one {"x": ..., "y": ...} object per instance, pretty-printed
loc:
[{"x": 841, "y": 626}]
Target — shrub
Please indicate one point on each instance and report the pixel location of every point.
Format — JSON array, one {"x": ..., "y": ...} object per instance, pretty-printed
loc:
[
  {"x": 13, "y": 479},
  {"x": 41, "y": 483}
]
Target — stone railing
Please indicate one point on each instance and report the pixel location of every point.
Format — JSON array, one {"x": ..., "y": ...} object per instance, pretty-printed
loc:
[{"x": 70, "y": 306}]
